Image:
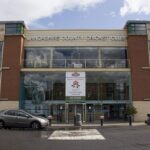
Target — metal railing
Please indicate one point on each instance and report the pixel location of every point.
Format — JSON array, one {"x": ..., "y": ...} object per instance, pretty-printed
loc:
[{"x": 76, "y": 63}]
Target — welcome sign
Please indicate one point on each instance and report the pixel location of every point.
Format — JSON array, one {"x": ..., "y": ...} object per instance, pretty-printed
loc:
[{"x": 75, "y": 87}]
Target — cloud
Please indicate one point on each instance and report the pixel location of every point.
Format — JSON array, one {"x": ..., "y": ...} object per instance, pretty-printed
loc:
[
  {"x": 31, "y": 10},
  {"x": 135, "y": 6},
  {"x": 52, "y": 24},
  {"x": 113, "y": 14}
]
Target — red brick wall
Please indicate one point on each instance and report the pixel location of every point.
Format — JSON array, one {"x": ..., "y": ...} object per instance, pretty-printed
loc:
[
  {"x": 13, "y": 46},
  {"x": 138, "y": 56}
]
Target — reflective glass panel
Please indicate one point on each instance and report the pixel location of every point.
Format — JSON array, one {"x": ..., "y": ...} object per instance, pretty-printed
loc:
[
  {"x": 39, "y": 57},
  {"x": 41, "y": 87},
  {"x": 75, "y": 57}
]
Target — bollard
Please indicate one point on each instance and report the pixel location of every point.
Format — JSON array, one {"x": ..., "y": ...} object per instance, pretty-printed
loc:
[
  {"x": 74, "y": 120},
  {"x": 50, "y": 120},
  {"x": 78, "y": 120},
  {"x": 101, "y": 120},
  {"x": 130, "y": 120}
]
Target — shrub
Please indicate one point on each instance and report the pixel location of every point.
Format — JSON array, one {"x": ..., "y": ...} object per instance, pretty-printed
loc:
[{"x": 130, "y": 110}]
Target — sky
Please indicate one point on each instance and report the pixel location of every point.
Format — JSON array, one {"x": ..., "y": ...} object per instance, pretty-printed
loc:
[{"x": 74, "y": 14}]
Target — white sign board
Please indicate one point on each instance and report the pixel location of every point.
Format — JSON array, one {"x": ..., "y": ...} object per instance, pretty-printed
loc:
[{"x": 75, "y": 86}]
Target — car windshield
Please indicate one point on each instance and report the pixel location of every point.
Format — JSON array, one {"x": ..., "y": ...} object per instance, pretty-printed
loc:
[
  {"x": 28, "y": 113},
  {"x": 33, "y": 114},
  {"x": 37, "y": 114}
]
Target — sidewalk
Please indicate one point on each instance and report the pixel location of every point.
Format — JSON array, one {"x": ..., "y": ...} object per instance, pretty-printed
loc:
[{"x": 121, "y": 124}]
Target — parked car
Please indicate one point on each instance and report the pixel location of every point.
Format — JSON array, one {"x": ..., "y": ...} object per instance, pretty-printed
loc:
[{"x": 21, "y": 118}]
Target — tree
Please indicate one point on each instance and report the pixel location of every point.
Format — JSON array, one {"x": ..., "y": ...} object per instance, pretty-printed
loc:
[{"x": 130, "y": 110}]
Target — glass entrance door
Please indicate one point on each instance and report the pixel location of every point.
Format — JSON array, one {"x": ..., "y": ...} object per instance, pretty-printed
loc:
[
  {"x": 73, "y": 109},
  {"x": 58, "y": 113}
]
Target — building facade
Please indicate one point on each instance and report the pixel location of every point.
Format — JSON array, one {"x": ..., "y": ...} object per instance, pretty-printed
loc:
[{"x": 64, "y": 72}]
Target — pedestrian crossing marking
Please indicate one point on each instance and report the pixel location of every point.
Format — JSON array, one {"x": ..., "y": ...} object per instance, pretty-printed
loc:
[{"x": 85, "y": 134}]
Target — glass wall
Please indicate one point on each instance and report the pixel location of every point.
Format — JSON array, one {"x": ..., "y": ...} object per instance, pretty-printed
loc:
[
  {"x": 44, "y": 92},
  {"x": 99, "y": 86},
  {"x": 44, "y": 86},
  {"x": 107, "y": 86},
  {"x": 39, "y": 57},
  {"x": 76, "y": 57},
  {"x": 114, "y": 57},
  {"x": 39, "y": 90}
]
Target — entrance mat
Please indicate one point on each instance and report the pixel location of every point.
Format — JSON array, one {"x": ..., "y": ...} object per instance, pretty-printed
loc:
[{"x": 89, "y": 134}]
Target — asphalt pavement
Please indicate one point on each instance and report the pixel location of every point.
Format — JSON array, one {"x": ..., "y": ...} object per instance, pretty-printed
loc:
[{"x": 115, "y": 138}]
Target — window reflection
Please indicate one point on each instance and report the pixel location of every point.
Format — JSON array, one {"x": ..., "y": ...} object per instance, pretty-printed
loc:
[
  {"x": 41, "y": 87},
  {"x": 108, "y": 86},
  {"x": 114, "y": 57},
  {"x": 38, "y": 57},
  {"x": 44, "y": 86},
  {"x": 76, "y": 57}
]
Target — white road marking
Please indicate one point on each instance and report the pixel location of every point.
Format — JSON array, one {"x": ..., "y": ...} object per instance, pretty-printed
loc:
[{"x": 89, "y": 134}]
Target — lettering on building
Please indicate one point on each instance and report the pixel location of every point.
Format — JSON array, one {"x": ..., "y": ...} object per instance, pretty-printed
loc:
[{"x": 76, "y": 38}]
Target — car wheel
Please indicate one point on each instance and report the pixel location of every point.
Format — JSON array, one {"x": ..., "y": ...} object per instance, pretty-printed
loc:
[
  {"x": 35, "y": 125},
  {"x": 1, "y": 124}
]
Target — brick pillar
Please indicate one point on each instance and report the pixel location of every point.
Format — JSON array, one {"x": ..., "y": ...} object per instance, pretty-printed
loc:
[
  {"x": 12, "y": 57},
  {"x": 138, "y": 55}
]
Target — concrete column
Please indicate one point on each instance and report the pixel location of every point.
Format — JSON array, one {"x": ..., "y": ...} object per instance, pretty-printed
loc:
[
  {"x": 84, "y": 111},
  {"x": 51, "y": 57},
  {"x": 66, "y": 112}
]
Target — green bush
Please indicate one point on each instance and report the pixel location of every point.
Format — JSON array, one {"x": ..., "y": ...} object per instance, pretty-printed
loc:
[{"x": 130, "y": 110}]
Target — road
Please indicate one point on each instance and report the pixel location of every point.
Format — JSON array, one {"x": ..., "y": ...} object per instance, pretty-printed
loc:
[{"x": 116, "y": 138}]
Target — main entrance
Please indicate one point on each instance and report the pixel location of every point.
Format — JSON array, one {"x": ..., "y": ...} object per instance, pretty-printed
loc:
[
  {"x": 64, "y": 113},
  {"x": 73, "y": 109}
]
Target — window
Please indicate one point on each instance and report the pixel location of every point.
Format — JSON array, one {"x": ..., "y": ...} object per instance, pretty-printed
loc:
[
  {"x": 21, "y": 114},
  {"x": 59, "y": 91},
  {"x": 114, "y": 57},
  {"x": 11, "y": 113},
  {"x": 91, "y": 91},
  {"x": 75, "y": 57},
  {"x": 40, "y": 87},
  {"x": 108, "y": 90},
  {"x": 14, "y": 28},
  {"x": 108, "y": 86},
  {"x": 137, "y": 29},
  {"x": 38, "y": 57}
]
